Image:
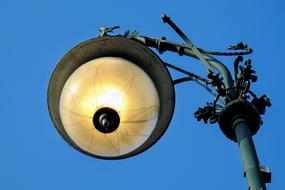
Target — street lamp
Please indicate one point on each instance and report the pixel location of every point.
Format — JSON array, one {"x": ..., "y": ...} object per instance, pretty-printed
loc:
[{"x": 112, "y": 97}]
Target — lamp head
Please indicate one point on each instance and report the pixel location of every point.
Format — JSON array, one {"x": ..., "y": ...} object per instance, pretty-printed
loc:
[{"x": 111, "y": 97}]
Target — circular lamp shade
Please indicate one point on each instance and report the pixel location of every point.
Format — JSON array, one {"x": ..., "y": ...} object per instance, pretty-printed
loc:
[{"x": 111, "y": 97}]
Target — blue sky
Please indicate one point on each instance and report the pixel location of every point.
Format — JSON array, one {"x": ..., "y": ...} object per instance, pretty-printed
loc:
[{"x": 191, "y": 155}]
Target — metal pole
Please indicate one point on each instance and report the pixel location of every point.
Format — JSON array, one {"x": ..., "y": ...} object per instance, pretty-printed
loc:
[
  {"x": 252, "y": 173},
  {"x": 239, "y": 119}
]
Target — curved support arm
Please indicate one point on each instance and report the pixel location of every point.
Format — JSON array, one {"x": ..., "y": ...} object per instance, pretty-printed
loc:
[
  {"x": 164, "y": 45},
  {"x": 220, "y": 67}
]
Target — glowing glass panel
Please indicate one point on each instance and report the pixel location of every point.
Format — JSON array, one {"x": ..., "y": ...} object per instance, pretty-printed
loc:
[{"x": 109, "y": 82}]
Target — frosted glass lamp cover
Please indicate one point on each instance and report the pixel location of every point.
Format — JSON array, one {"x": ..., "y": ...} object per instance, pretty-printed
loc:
[{"x": 113, "y": 83}]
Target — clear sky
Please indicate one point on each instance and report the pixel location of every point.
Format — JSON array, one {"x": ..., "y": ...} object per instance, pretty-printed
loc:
[{"x": 191, "y": 155}]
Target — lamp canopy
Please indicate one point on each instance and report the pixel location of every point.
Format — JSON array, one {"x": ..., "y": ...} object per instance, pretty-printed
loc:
[{"x": 111, "y": 97}]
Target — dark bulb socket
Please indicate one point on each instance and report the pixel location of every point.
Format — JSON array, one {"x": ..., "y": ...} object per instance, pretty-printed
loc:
[{"x": 106, "y": 120}]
